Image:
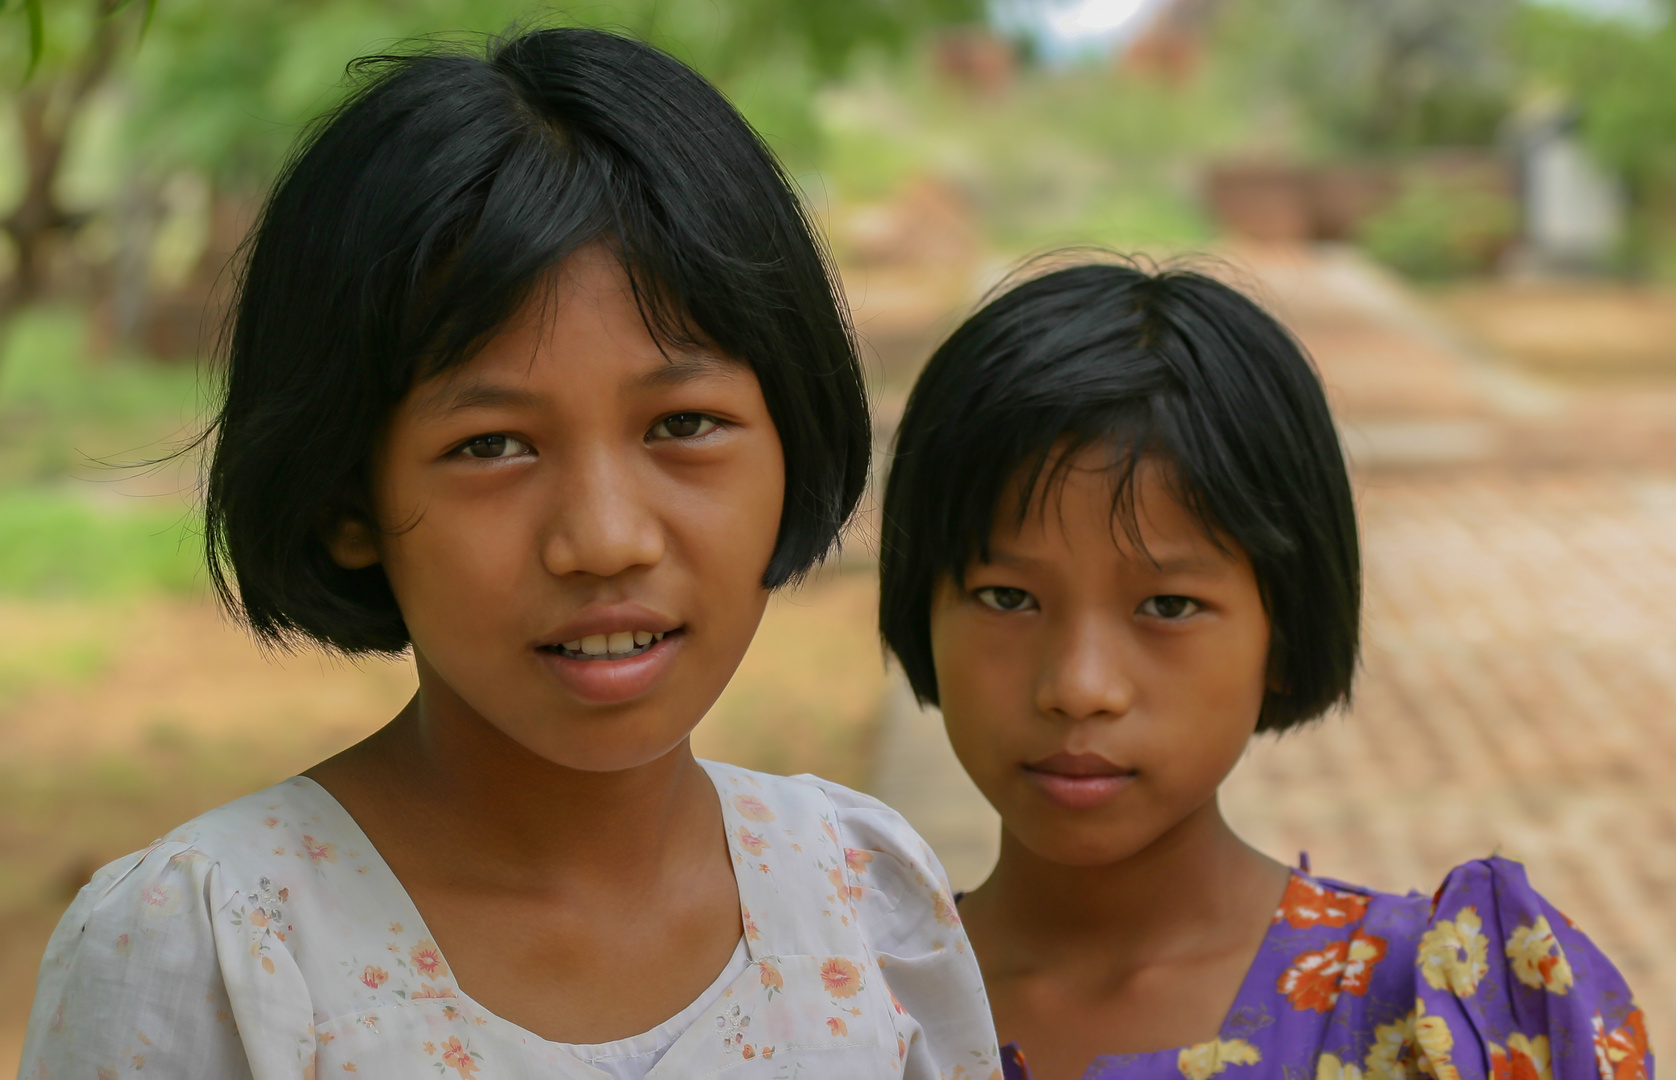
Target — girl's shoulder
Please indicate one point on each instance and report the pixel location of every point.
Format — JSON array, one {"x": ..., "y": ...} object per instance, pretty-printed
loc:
[
  {"x": 244, "y": 841},
  {"x": 1485, "y": 969},
  {"x": 159, "y": 952},
  {"x": 879, "y": 851}
]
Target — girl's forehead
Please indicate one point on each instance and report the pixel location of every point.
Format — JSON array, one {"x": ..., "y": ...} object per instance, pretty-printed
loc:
[{"x": 1091, "y": 504}]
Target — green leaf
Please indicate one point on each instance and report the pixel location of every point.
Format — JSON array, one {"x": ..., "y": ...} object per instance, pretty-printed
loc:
[{"x": 37, "y": 36}]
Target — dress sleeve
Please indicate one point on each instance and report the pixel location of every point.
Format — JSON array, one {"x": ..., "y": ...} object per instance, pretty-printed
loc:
[
  {"x": 1508, "y": 986},
  {"x": 161, "y": 965},
  {"x": 908, "y": 916}
]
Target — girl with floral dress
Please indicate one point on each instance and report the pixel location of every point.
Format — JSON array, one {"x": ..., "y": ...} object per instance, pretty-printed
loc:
[
  {"x": 1151, "y": 556},
  {"x": 538, "y": 370}
]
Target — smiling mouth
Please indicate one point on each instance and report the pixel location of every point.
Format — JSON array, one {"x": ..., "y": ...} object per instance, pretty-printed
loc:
[{"x": 620, "y": 645}]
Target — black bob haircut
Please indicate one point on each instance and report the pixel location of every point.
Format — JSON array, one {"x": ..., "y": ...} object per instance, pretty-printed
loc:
[
  {"x": 1171, "y": 367},
  {"x": 417, "y": 217}
]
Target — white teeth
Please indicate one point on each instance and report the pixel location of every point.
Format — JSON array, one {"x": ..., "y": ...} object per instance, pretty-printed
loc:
[
  {"x": 657, "y": 637},
  {"x": 595, "y": 645},
  {"x": 642, "y": 637},
  {"x": 573, "y": 646},
  {"x": 620, "y": 642}
]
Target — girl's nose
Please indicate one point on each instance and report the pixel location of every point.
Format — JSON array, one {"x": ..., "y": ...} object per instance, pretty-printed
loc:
[
  {"x": 603, "y": 521},
  {"x": 1085, "y": 677}
]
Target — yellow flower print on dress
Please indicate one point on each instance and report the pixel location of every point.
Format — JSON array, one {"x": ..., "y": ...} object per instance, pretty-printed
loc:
[
  {"x": 1437, "y": 1045},
  {"x": 374, "y": 977},
  {"x": 1522, "y": 1059},
  {"x": 857, "y": 860},
  {"x": 1454, "y": 955},
  {"x": 1207, "y": 1059},
  {"x": 751, "y": 842},
  {"x": 1329, "y": 1067},
  {"x": 752, "y": 808},
  {"x": 1538, "y": 960},
  {"x": 1393, "y": 1053}
]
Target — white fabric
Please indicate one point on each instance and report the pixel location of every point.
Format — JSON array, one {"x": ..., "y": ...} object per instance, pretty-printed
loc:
[
  {"x": 632, "y": 1058},
  {"x": 268, "y": 939}
]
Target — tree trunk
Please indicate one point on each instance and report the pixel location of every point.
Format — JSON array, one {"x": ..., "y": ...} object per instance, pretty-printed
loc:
[{"x": 47, "y": 111}]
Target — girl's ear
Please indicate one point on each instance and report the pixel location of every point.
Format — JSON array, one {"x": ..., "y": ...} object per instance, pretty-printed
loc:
[{"x": 352, "y": 545}]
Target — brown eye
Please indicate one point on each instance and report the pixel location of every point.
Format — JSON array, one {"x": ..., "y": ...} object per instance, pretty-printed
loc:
[
  {"x": 1169, "y": 607},
  {"x": 1002, "y": 598},
  {"x": 687, "y": 425},
  {"x": 491, "y": 447}
]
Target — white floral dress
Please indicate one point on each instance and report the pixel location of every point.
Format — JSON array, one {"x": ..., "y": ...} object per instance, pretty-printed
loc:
[{"x": 268, "y": 939}]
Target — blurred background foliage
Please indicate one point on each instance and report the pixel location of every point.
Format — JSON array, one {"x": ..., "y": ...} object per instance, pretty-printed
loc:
[{"x": 931, "y": 135}]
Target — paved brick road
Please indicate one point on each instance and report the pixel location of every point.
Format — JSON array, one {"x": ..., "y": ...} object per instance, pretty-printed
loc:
[{"x": 1519, "y": 691}]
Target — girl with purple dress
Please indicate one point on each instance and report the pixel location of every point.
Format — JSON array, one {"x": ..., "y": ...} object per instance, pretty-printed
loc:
[{"x": 1151, "y": 557}]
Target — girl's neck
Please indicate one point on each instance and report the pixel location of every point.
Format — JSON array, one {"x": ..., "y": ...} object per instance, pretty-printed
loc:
[
  {"x": 1180, "y": 894},
  {"x": 437, "y": 788}
]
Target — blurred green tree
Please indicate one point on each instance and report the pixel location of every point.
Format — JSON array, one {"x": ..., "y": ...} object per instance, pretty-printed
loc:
[
  {"x": 1379, "y": 75},
  {"x": 62, "y": 55},
  {"x": 1620, "y": 76},
  {"x": 222, "y": 87}
]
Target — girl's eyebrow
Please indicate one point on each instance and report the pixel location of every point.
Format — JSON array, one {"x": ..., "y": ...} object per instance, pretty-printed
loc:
[
  {"x": 685, "y": 367},
  {"x": 474, "y": 394}
]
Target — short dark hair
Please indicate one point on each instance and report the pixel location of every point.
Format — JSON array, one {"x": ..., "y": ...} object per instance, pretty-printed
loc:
[
  {"x": 414, "y": 220},
  {"x": 1169, "y": 366}
]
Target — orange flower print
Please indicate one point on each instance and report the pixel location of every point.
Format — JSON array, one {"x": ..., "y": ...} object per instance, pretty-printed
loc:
[
  {"x": 456, "y": 1056},
  {"x": 1622, "y": 1052},
  {"x": 349, "y": 1066},
  {"x": 1315, "y": 978},
  {"x": 751, "y": 842},
  {"x": 837, "y": 1026},
  {"x": 842, "y": 891},
  {"x": 942, "y": 907},
  {"x": 374, "y": 976},
  {"x": 752, "y": 808},
  {"x": 857, "y": 859},
  {"x": 427, "y": 960},
  {"x": 1366, "y": 951},
  {"x": 1523, "y": 1059},
  {"x": 124, "y": 947},
  {"x": 841, "y": 977},
  {"x": 319, "y": 851},
  {"x": 751, "y": 931},
  {"x": 748, "y": 1052},
  {"x": 270, "y": 822},
  {"x": 395, "y": 928},
  {"x": 427, "y": 991},
  {"x": 1308, "y": 903},
  {"x": 771, "y": 977},
  {"x": 831, "y": 833}
]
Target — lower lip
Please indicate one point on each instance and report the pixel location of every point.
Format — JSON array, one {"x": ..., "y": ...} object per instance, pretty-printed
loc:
[
  {"x": 1079, "y": 792},
  {"x": 612, "y": 682}
]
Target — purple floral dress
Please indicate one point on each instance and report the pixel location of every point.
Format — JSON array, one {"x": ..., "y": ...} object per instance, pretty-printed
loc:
[{"x": 1485, "y": 981}]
